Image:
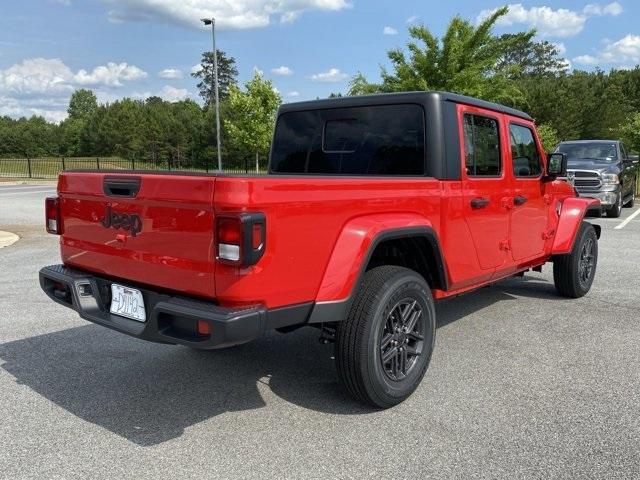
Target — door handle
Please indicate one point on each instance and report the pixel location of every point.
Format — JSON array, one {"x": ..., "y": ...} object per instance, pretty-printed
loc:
[
  {"x": 520, "y": 200},
  {"x": 479, "y": 202}
]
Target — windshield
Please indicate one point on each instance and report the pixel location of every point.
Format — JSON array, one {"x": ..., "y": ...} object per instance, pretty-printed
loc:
[{"x": 589, "y": 151}]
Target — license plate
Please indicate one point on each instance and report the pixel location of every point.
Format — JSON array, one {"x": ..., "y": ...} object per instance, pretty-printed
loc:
[{"x": 127, "y": 302}]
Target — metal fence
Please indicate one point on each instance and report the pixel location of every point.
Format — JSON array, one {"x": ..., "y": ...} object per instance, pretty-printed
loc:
[{"x": 50, "y": 167}]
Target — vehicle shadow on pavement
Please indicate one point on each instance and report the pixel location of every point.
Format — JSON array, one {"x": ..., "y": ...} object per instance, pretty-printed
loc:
[{"x": 149, "y": 393}]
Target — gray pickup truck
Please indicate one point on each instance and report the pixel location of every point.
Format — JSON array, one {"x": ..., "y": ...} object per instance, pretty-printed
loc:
[{"x": 602, "y": 169}]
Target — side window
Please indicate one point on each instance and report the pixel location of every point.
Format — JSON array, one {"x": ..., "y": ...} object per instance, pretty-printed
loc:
[
  {"x": 482, "y": 146},
  {"x": 524, "y": 152},
  {"x": 623, "y": 151}
]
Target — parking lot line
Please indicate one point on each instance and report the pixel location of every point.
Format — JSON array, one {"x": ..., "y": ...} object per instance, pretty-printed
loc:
[{"x": 628, "y": 219}]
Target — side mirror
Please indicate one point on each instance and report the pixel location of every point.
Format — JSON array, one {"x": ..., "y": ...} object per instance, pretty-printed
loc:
[{"x": 556, "y": 165}]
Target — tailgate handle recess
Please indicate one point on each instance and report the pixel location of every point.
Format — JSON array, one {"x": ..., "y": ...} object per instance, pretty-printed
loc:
[{"x": 121, "y": 187}]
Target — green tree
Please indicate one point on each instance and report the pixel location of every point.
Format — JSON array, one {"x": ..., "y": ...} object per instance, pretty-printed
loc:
[
  {"x": 630, "y": 132},
  {"x": 548, "y": 137},
  {"x": 254, "y": 110},
  {"x": 465, "y": 60},
  {"x": 227, "y": 76},
  {"x": 524, "y": 56},
  {"x": 82, "y": 104}
]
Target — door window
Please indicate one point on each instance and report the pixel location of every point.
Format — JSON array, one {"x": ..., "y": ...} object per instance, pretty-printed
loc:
[
  {"x": 482, "y": 146},
  {"x": 524, "y": 152}
]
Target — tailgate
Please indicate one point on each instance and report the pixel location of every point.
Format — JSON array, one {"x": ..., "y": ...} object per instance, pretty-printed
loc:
[{"x": 153, "y": 229}]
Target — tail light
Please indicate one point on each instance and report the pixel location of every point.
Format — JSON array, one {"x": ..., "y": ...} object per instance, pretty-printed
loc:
[
  {"x": 52, "y": 214},
  {"x": 240, "y": 238}
]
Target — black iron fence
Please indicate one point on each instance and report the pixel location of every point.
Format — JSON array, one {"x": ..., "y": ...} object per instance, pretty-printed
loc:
[{"x": 50, "y": 167}]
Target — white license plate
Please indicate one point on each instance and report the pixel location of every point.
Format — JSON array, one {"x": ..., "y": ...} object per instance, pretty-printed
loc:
[{"x": 127, "y": 302}]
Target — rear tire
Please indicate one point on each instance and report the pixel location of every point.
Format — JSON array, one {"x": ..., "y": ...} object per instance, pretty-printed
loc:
[
  {"x": 573, "y": 273},
  {"x": 384, "y": 346},
  {"x": 616, "y": 210}
]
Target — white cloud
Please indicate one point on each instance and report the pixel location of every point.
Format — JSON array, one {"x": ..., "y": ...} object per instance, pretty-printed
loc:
[
  {"x": 282, "y": 71},
  {"x": 412, "y": 19},
  {"x": 333, "y": 75},
  {"x": 172, "y": 94},
  {"x": 196, "y": 68},
  {"x": 614, "y": 9},
  {"x": 389, "y": 31},
  {"x": 586, "y": 60},
  {"x": 236, "y": 15},
  {"x": 623, "y": 52},
  {"x": 560, "y": 48},
  {"x": 49, "y": 76},
  {"x": 549, "y": 22},
  {"x": 170, "y": 73},
  {"x": 294, "y": 93},
  {"x": 42, "y": 86},
  {"x": 52, "y": 109},
  {"x": 112, "y": 75}
]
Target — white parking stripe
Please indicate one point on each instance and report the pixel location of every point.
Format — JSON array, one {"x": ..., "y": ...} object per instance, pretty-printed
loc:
[
  {"x": 628, "y": 219},
  {"x": 30, "y": 192}
]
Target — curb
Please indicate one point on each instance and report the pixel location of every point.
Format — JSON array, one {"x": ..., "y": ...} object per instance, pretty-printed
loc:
[{"x": 8, "y": 238}]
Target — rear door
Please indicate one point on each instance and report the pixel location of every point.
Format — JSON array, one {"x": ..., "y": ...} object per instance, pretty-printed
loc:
[
  {"x": 152, "y": 229},
  {"x": 485, "y": 186},
  {"x": 529, "y": 216}
]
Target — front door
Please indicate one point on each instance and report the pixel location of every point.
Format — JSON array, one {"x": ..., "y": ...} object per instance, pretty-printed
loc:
[
  {"x": 529, "y": 217},
  {"x": 485, "y": 187}
]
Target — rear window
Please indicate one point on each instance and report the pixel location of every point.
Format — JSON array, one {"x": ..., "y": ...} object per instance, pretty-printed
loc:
[{"x": 379, "y": 140}]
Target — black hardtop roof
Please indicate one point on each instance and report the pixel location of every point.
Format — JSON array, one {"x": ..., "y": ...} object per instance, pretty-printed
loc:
[{"x": 401, "y": 97}]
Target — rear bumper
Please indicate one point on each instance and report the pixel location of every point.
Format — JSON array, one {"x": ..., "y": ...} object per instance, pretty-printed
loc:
[{"x": 170, "y": 319}]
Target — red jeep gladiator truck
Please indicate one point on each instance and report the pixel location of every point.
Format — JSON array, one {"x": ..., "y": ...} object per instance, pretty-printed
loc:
[{"x": 374, "y": 207}]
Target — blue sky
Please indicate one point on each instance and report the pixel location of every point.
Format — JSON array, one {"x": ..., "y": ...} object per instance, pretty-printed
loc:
[{"x": 309, "y": 48}]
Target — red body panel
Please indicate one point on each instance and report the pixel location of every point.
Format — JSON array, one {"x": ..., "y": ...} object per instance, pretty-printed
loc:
[
  {"x": 352, "y": 247},
  {"x": 173, "y": 250},
  {"x": 571, "y": 214},
  {"x": 306, "y": 217},
  {"x": 318, "y": 229}
]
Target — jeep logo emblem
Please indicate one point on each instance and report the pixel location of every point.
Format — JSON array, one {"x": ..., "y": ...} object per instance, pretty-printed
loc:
[{"x": 129, "y": 222}]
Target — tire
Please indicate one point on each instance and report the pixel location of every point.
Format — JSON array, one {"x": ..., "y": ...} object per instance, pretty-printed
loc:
[
  {"x": 389, "y": 297},
  {"x": 632, "y": 200},
  {"x": 616, "y": 210},
  {"x": 573, "y": 273}
]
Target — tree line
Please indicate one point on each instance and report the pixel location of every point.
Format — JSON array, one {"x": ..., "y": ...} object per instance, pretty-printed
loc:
[
  {"x": 155, "y": 130},
  {"x": 517, "y": 70}
]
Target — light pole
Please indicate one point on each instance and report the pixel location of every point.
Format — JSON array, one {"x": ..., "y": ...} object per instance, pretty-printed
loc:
[{"x": 212, "y": 21}]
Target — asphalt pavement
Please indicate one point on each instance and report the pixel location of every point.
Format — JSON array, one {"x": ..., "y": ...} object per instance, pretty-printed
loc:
[{"x": 522, "y": 384}]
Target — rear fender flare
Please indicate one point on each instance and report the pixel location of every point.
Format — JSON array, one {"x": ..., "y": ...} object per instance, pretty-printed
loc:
[
  {"x": 353, "y": 249},
  {"x": 572, "y": 213}
]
